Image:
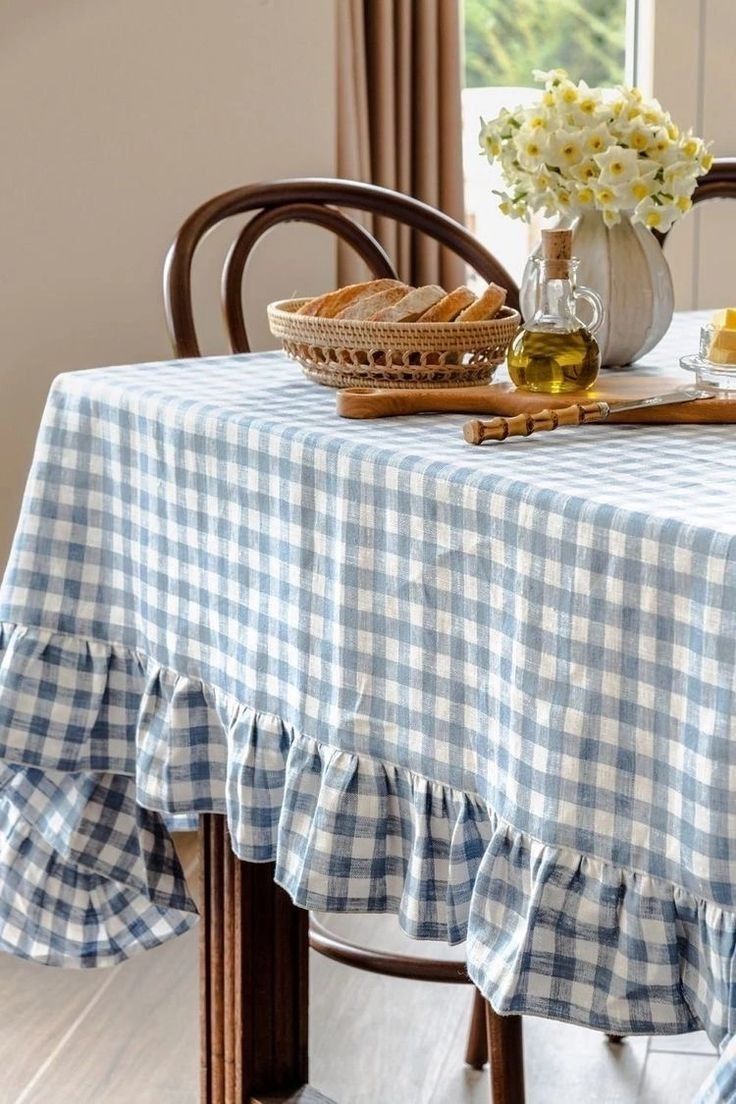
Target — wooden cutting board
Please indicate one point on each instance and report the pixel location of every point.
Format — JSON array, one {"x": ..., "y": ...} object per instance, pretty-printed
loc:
[{"x": 503, "y": 398}]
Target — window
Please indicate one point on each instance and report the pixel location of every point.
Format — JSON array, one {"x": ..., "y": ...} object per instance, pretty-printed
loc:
[{"x": 503, "y": 43}]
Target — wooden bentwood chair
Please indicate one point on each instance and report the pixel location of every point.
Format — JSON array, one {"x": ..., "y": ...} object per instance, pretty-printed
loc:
[
  {"x": 718, "y": 183},
  {"x": 313, "y": 201}
]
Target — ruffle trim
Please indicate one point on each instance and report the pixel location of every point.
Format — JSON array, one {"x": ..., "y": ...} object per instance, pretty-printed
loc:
[{"x": 102, "y": 741}]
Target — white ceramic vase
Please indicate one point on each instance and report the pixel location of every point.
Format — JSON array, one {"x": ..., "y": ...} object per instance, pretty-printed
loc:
[{"x": 626, "y": 266}]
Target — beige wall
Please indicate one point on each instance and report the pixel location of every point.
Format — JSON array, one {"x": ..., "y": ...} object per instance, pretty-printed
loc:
[
  {"x": 687, "y": 61},
  {"x": 116, "y": 120}
]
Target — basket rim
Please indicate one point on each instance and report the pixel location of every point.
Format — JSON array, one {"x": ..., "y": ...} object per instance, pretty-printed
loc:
[{"x": 283, "y": 309}]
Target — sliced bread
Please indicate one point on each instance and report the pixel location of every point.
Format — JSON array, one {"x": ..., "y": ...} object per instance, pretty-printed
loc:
[
  {"x": 485, "y": 307},
  {"x": 449, "y": 307},
  {"x": 331, "y": 303},
  {"x": 412, "y": 305},
  {"x": 369, "y": 305}
]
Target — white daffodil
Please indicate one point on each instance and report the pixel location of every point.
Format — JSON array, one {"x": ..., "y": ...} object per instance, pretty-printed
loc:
[
  {"x": 586, "y": 171},
  {"x": 695, "y": 149},
  {"x": 660, "y": 144},
  {"x": 549, "y": 76},
  {"x": 654, "y": 215},
  {"x": 553, "y": 205},
  {"x": 530, "y": 148},
  {"x": 637, "y": 137},
  {"x": 679, "y": 178},
  {"x": 598, "y": 139},
  {"x": 490, "y": 140},
  {"x": 566, "y": 93},
  {"x": 606, "y": 198},
  {"x": 631, "y": 195},
  {"x": 564, "y": 149},
  {"x": 619, "y": 165},
  {"x": 536, "y": 120},
  {"x": 541, "y": 181},
  {"x": 585, "y": 196}
]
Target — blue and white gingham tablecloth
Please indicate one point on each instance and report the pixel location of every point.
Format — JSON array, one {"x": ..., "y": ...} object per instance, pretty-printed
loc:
[{"x": 493, "y": 690}]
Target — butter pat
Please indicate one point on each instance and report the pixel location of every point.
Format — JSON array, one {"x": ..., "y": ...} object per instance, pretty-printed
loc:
[
  {"x": 721, "y": 356},
  {"x": 723, "y": 343},
  {"x": 725, "y": 319}
]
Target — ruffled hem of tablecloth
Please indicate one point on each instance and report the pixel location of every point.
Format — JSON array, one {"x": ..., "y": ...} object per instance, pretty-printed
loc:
[{"x": 88, "y": 874}]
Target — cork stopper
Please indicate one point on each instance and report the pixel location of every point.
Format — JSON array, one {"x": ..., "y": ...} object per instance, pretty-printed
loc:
[{"x": 557, "y": 251}]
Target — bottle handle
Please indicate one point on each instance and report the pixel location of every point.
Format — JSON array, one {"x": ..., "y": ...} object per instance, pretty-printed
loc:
[{"x": 594, "y": 299}]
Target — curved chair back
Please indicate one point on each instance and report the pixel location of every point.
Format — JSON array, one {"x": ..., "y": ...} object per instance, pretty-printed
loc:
[
  {"x": 309, "y": 200},
  {"x": 718, "y": 183}
]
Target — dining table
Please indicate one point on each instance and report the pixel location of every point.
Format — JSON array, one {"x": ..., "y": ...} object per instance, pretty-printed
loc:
[{"x": 491, "y": 690}]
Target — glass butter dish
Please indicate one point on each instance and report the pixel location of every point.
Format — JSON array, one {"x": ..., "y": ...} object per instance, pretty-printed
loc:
[{"x": 715, "y": 374}]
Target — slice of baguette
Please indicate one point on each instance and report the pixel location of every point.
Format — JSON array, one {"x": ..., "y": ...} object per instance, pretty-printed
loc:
[
  {"x": 412, "y": 306},
  {"x": 486, "y": 307},
  {"x": 331, "y": 303},
  {"x": 369, "y": 305},
  {"x": 450, "y": 306}
]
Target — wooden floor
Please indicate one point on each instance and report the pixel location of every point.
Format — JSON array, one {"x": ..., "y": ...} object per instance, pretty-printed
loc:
[{"x": 130, "y": 1034}]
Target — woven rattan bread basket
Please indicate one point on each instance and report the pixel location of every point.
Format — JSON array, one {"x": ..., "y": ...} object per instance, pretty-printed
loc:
[{"x": 350, "y": 353}]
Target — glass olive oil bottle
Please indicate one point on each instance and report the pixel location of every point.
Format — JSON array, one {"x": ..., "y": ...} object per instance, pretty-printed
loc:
[{"x": 555, "y": 351}]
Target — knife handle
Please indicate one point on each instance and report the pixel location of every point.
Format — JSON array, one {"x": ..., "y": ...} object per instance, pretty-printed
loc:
[{"x": 476, "y": 432}]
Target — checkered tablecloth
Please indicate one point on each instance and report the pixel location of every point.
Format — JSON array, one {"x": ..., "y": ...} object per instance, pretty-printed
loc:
[{"x": 490, "y": 689}]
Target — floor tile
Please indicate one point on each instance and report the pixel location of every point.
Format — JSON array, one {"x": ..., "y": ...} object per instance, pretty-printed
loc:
[
  {"x": 673, "y": 1078},
  {"x": 564, "y": 1062},
  {"x": 39, "y": 1004},
  {"x": 696, "y": 1042},
  {"x": 141, "y": 1040}
]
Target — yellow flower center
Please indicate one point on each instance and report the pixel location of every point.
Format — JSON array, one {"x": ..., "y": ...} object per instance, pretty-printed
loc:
[
  {"x": 639, "y": 189},
  {"x": 653, "y": 218}
]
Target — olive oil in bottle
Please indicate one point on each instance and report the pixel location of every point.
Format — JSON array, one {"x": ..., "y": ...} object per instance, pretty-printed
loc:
[
  {"x": 540, "y": 361},
  {"x": 555, "y": 351}
]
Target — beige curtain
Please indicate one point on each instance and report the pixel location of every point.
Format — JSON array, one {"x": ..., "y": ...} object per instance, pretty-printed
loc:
[{"x": 399, "y": 121}]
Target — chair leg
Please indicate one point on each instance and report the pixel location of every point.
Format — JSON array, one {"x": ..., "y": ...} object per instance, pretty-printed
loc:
[
  {"x": 506, "y": 1057},
  {"x": 476, "y": 1052}
]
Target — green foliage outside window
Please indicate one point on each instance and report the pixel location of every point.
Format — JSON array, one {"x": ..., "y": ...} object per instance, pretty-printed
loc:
[{"x": 506, "y": 39}]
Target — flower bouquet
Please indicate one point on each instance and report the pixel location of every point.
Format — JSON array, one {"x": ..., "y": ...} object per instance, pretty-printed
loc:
[
  {"x": 615, "y": 166},
  {"x": 580, "y": 149}
]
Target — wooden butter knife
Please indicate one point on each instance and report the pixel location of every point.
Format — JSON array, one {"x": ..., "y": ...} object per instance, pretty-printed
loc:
[{"x": 476, "y": 431}]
